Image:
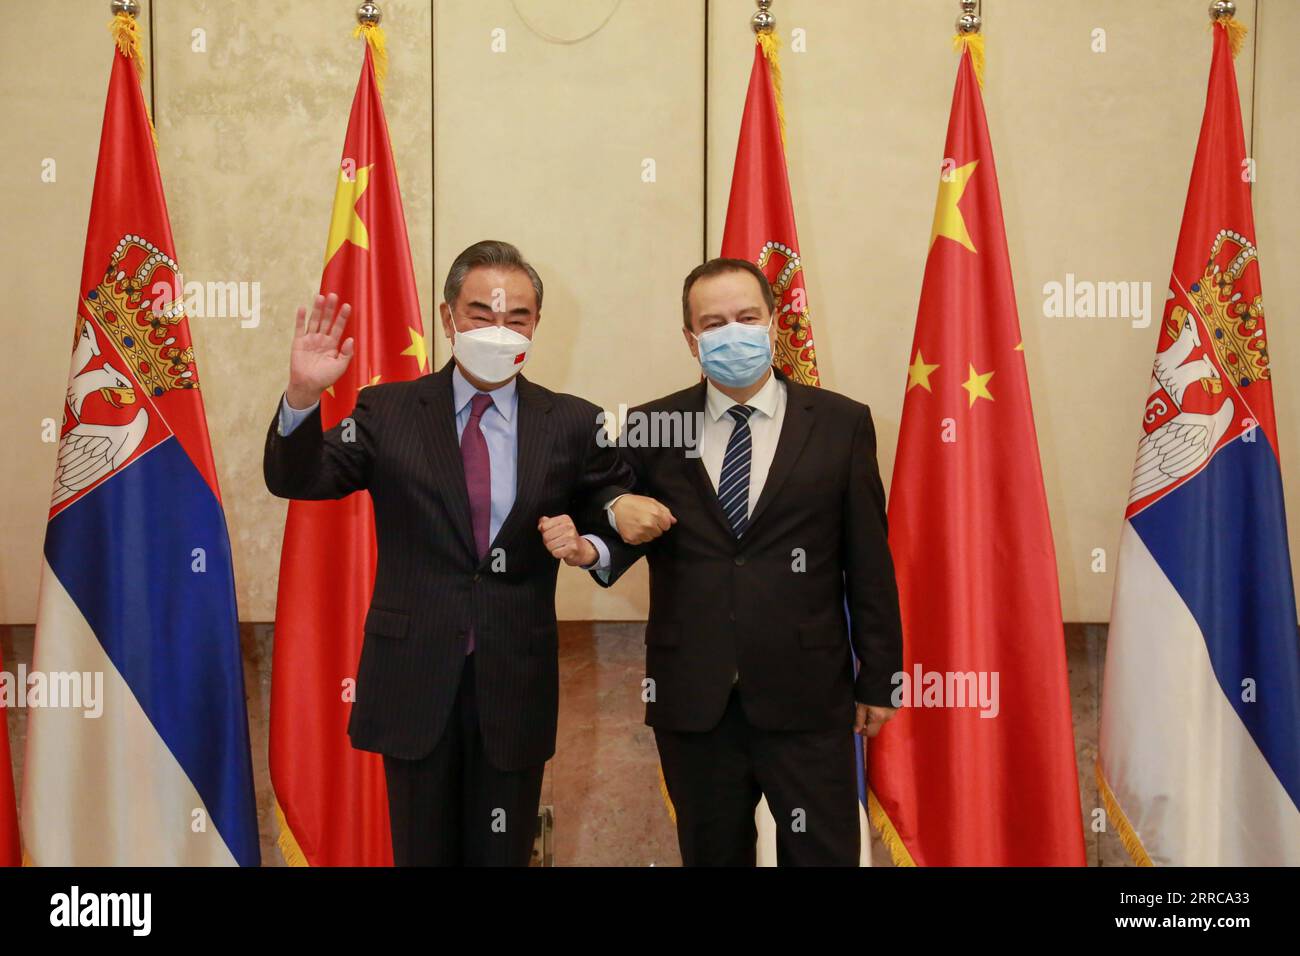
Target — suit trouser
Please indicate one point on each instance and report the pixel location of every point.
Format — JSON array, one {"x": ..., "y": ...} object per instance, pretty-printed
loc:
[
  {"x": 453, "y": 807},
  {"x": 715, "y": 779}
]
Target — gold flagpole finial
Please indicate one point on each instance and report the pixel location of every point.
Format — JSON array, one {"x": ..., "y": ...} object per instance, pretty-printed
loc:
[
  {"x": 368, "y": 17},
  {"x": 969, "y": 22},
  {"x": 763, "y": 21},
  {"x": 969, "y": 38},
  {"x": 1223, "y": 10},
  {"x": 1223, "y": 13}
]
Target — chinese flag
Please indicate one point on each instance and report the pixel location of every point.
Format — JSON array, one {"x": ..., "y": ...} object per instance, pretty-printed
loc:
[
  {"x": 331, "y": 799},
  {"x": 760, "y": 215},
  {"x": 960, "y": 782},
  {"x": 10, "y": 855}
]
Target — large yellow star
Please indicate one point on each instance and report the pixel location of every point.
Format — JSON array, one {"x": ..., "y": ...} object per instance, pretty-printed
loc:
[
  {"x": 977, "y": 385},
  {"x": 418, "y": 349},
  {"x": 918, "y": 373},
  {"x": 345, "y": 224},
  {"x": 948, "y": 220}
]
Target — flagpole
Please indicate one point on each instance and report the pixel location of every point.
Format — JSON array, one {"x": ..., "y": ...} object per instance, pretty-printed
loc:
[
  {"x": 1223, "y": 13},
  {"x": 368, "y": 17},
  {"x": 969, "y": 38},
  {"x": 969, "y": 22}
]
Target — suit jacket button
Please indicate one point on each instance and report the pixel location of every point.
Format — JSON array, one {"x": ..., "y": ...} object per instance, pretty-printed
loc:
[
  {"x": 476, "y": 577},
  {"x": 740, "y": 560}
]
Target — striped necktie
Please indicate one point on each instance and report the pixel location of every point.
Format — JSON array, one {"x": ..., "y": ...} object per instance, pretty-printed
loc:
[{"x": 733, "y": 482}]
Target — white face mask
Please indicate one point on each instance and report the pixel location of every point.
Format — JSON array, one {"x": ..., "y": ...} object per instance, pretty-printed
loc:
[{"x": 491, "y": 354}]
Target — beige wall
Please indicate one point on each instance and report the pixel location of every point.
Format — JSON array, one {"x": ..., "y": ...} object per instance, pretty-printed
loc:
[{"x": 545, "y": 144}]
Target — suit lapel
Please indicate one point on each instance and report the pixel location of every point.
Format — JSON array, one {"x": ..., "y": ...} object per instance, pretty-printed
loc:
[
  {"x": 534, "y": 438},
  {"x": 798, "y": 423},
  {"x": 438, "y": 427}
]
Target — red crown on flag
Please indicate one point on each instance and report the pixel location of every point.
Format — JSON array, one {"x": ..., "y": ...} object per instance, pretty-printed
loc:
[
  {"x": 1236, "y": 325},
  {"x": 145, "y": 330},
  {"x": 794, "y": 347}
]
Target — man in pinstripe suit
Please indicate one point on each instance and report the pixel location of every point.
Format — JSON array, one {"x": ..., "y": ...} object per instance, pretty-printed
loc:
[{"x": 473, "y": 471}]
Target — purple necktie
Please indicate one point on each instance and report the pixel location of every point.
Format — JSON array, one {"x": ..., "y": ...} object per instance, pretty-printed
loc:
[{"x": 478, "y": 479}]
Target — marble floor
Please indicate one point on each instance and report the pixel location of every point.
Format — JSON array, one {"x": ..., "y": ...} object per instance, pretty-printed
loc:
[{"x": 602, "y": 786}]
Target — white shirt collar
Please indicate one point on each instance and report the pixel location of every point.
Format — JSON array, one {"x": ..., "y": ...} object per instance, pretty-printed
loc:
[
  {"x": 463, "y": 392},
  {"x": 765, "y": 401}
]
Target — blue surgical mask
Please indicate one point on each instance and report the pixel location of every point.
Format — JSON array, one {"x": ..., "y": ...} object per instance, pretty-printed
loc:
[{"x": 737, "y": 354}]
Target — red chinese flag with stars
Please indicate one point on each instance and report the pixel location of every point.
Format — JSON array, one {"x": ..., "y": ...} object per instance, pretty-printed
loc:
[
  {"x": 10, "y": 855},
  {"x": 331, "y": 798},
  {"x": 760, "y": 215},
  {"x": 978, "y": 768}
]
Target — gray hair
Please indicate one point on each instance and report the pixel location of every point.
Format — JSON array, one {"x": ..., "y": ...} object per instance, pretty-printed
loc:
[{"x": 488, "y": 252}]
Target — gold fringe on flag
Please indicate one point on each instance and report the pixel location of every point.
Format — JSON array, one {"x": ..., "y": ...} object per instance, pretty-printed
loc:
[
  {"x": 1127, "y": 835},
  {"x": 888, "y": 835},
  {"x": 126, "y": 34},
  {"x": 771, "y": 46},
  {"x": 1236, "y": 32},
  {"x": 375, "y": 39},
  {"x": 668, "y": 801},
  {"x": 288, "y": 844},
  {"x": 974, "y": 42}
]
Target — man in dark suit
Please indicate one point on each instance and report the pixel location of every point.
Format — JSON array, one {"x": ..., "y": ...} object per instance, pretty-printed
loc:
[
  {"x": 764, "y": 528},
  {"x": 473, "y": 471}
]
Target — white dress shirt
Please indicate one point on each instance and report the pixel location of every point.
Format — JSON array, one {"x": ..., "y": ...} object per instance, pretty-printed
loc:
[{"x": 764, "y": 428}]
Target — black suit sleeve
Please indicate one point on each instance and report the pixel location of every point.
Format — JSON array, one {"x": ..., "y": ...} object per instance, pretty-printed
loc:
[
  {"x": 311, "y": 465},
  {"x": 621, "y": 556},
  {"x": 605, "y": 474},
  {"x": 875, "y": 627}
]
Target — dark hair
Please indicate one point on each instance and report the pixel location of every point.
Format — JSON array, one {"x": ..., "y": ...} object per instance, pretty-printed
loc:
[
  {"x": 721, "y": 266},
  {"x": 488, "y": 252}
]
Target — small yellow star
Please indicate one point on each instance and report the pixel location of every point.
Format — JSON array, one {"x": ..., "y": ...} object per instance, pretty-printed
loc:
[
  {"x": 373, "y": 381},
  {"x": 948, "y": 220},
  {"x": 418, "y": 349},
  {"x": 918, "y": 373},
  {"x": 1019, "y": 348},
  {"x": 977, "y": 385}
]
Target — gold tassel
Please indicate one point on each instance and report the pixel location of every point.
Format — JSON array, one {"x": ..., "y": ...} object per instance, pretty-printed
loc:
[
  {"x": 888, "y": 835},
  {"x": 289, "y": 848},
  {"x": 126, "y": 34},
  {"x": 771, "y": 45},
  {"x": 974, "y": 43},
  {"x": 1127, "y": 835},
  {"x": 1236, "y": 33},
  {"x": 668, "y": 801},
  {"x": 374, "y": 35}
]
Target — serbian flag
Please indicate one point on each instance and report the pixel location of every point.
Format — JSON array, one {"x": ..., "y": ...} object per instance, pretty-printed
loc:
[
  {"x": 137, "y": 748},
  {"x": 760, "y": 214},
  {"x": 760, "y": 227},
  {"x": 1200, "y": 728},
  {"x": 978, "y": 767},
  {"x": 10, "y": 853},
  {"x": 331, "y": 799}
]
